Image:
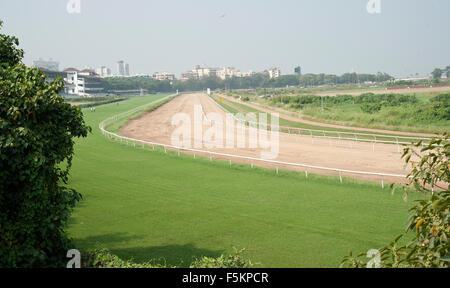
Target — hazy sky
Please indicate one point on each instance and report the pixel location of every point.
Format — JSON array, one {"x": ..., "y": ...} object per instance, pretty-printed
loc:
[{"x": 329, "y": 36}]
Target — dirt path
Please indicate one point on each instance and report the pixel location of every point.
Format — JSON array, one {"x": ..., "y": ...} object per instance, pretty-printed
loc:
[
  {"x": 157, "y": 127},
  {"x": 289, "y": 116}
]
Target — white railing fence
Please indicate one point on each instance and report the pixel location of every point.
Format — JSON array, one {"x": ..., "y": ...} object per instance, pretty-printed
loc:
[
  {"x": 341, "y": 135},
  {"x": 307, "y": 168}
]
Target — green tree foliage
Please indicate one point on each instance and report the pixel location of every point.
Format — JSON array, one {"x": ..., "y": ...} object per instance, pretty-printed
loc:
[
  {"x": 435, "y": 109},
  {"x": 135, "y": 83},
  {"x": 259, "y": 80},
  {"x": 37, "y": 129},
  {"x": 429, "y": 219},
  {"x": 437, "y": 73},
  {"x": 368, "y": 99},
  {"x": 438, "y": 108},
  {"x": 371, "y": 107},
  {"x": 223, "y": 261},
  {"x": 103, "y": 258},
  {"x": 9, "y": 53}
]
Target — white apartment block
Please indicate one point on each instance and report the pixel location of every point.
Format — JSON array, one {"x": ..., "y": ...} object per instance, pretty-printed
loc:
[
  {"x": 74, "y": 84},
  {"x": 82, "y": 83},
  {"x": 222, "y": 73},
  {"x": 103, "y": 72},
  {"x": 163, "y": 76},
  {"x": 274, "y": 72}
]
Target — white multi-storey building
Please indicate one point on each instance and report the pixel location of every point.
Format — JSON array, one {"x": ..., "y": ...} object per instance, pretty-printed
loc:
[
  {"x": 103, "y": 72},
  {"x": 82, "y": 83},
  {"x": 163, "y": 76},
  {"x": 222, "y": 73},
  {"x": 274, "y": 72},
  {"x": 127, "y": 69},
  {"x": 120, "y": 68}
]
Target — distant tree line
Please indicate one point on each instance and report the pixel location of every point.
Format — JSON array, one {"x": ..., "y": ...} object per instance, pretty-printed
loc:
[
  {"x": 437, "y": 73},
  {"x": 256, "y": 81}
]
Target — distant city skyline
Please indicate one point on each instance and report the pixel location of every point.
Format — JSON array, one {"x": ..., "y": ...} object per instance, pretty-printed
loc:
[{"x": 327, "y": 36}]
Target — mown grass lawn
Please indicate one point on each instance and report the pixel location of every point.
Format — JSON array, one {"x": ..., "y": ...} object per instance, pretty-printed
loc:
[{"x": 148, "y": 205}]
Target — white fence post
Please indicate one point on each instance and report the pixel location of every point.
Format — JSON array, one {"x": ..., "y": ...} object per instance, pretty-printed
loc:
[{"x": 252, "y": 159}]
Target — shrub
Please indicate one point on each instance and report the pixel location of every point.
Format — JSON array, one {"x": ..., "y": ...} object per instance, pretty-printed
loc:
[
  {"x": 224, "y": 261},
  {"x": 102, "y": 258},
  {"x": 37, "y": 129},
  {"x": 371, "y": 108},
  {"x": 429, "y": 219}
]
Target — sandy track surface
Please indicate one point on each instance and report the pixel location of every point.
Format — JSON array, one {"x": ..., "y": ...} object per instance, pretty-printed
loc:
[
  {"x": 156, "y": 126},
  {"x": 290, "y": 116}
]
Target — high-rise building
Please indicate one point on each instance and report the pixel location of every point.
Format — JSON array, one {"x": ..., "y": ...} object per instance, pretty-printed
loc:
[
  {"x": 106, "y": 72},
  {"x": 127, "y": 69},
  {"x": 163, "y": 76},
  {"x": 274, "y": 73},
  {"x": 84, "y": 83},
  {"x": 103, "y": 71},
  {"x": 120, "y": 68},
  {"x": 298, "y": 70},
  {"x": 222, "y": 73}
]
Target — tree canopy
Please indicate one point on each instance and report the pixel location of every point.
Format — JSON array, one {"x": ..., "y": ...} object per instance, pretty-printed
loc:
[{"x": 37, "y": 128}]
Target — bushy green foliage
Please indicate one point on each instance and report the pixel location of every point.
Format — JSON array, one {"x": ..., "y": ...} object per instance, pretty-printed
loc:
[
  {"x": 383, "y": 111},
  {"x": 437, "y": 73},
  {"x": 135, "y": 83},
  {"x": 429, "y": 218},
  {"x": 9, "y": 53},
  {"x": 372, "y": 102},
  {"x": 371, "y": 107},
  {"x": 223, "y": 261},
  {"x": 260, "y": 80},
  {"x": 386, "y": 99},
  {"x": 37, "y": 129},
  {"x": 103, "y": 258}
]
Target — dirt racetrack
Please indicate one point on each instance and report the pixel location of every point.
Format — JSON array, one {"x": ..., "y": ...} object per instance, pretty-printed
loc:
[
  {"x": 297, "y": 117},
  {"x": 156, "y": 126}
]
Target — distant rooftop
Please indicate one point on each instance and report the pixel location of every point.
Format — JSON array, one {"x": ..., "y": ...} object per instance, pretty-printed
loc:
[{"x": 70, "y": 70}]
